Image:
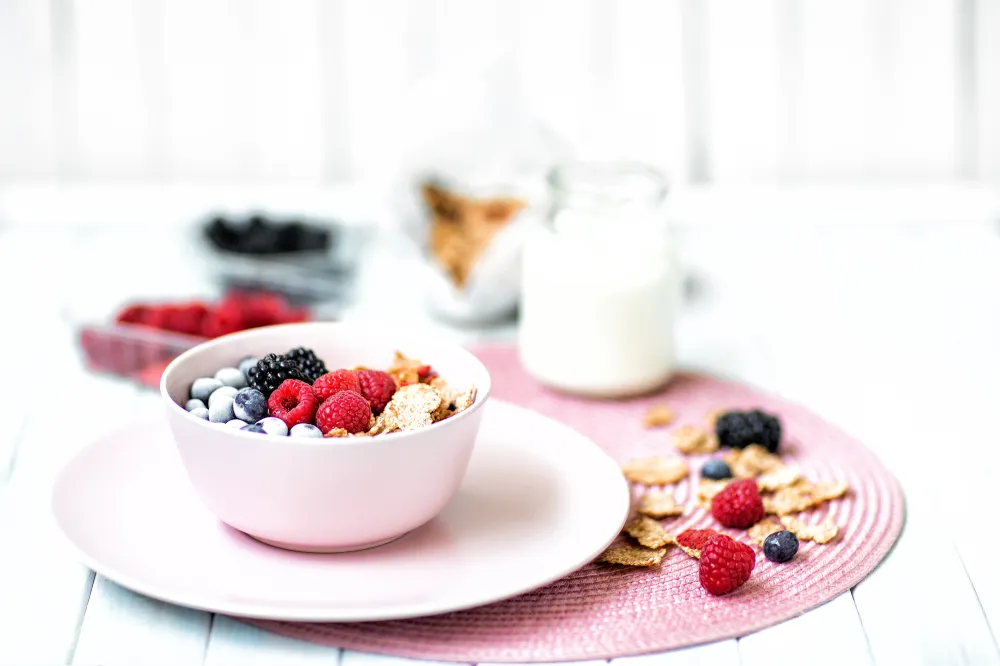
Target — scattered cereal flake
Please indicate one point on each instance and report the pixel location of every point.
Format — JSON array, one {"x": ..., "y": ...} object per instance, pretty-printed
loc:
[
  {"x": 829, "y": 490},
  {"x": 790, "y": 499},
  {"x": 633, "y": 556},
  {"x": 709, "y": 488},
  {"x": 657, "y": 417},
  {"x": 337, "y": 432},
  {"x": 647, "y": 532},
  {"x": 762, "y": 530},
  {"x": 691, "y": 552},
  {"x": 778, "y": 478},
  {"x": 751, "y": 461},
  {"x": 693, "y": 440},
  {"x": 658, "y": 504},
  {"x": 803, "y": 495},
  {"x": 656, "y": 471},
  {"x": 713, "y": 416},
  {"x": 822, "y": 533}
]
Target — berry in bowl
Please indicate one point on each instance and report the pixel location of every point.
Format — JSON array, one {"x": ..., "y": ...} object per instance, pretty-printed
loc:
[{"x": 323, "y": 436}]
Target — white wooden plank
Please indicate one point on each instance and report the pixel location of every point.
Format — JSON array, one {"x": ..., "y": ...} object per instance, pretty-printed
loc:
[
  {"x": 978, "y": 548},
  {"x": 284, "y": 100},
  {"x": 208, "y": 126},
  {"x": 121, "y": 627},
  {"x": 919, "y": 606},
  {"x": 917, "y": 92},
  {"x": 987, "y": 86},
  {"x": 26, "y": 133},
  {"x": 812, "y": 634},
  {"x": 639, "y": 93},
  {"x": 43, "y": 589},
  {"x": 554, "y": 57},
  {"x": 720, "y": 653},
  {"x": 235, "y": 643},
  {"x": 112, "y": 113},
  {"x": 743, "y": 90}
]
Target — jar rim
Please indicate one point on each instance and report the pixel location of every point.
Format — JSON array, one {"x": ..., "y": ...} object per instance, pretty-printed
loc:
[{"x": 605, "y": 179}]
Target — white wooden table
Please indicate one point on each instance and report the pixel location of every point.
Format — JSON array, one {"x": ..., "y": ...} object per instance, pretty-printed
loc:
[{"x": 878, "y": 309}]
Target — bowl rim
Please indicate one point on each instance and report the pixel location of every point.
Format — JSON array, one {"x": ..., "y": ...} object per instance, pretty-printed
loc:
[{"x": 482, "y": 392}]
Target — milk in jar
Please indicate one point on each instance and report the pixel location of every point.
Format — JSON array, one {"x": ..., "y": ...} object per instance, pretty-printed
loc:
[{"x": 600, "y": 283}]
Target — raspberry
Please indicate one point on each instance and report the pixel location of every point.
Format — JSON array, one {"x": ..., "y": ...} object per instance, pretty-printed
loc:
[
  {"x": 739, "y": 504},
  {"x": 725, "y": 564},
  {"x": 334, "y": 382},
  {"x": 293, "y": 402},
  {"x": 695, "y": 538},
  {"x": 132, "y": 314},
  {"x": 347, "y": 410},
  {"x": 377, "y": 387}
]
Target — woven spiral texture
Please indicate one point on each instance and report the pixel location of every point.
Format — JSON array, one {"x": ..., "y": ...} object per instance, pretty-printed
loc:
[{"x": 602, "y": 611}]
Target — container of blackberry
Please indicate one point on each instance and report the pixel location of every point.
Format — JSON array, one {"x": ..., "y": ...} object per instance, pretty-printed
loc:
[{"x": 311, "y": 261}]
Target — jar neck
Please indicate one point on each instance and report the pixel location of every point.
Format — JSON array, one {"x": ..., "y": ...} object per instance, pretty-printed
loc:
[{"x": 601, "y": 193}]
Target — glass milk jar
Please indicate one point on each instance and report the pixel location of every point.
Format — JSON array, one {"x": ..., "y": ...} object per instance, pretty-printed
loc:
[{"x": 600, "y": 283}]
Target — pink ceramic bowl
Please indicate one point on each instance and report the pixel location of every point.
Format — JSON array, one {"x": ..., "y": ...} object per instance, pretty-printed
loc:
[{"x": 331, "y": 494}]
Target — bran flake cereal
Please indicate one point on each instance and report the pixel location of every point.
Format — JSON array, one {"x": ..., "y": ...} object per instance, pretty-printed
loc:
[
  {"x": 633, "y": 556},
  {"x": 656, "y": 471},
  {"x": 762, "y": 530},
  {"x": 657, "y": 417},
  {"x": 647, "y": 532},
  {"x": 751, "y": 462},
  {"x": 778, "y": 478},
  {"x": 689, "y": 439},
  {"x": 658, "y": 504},
  {"x": 709, "y": 488},
  {"x": 821, "y": 533}
]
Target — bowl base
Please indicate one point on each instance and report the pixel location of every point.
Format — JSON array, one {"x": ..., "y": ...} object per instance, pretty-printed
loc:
[{"x": 307, "y": 548}]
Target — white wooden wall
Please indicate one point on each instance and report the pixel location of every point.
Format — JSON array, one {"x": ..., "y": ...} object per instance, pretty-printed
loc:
[{"x": 319, "y": 90}]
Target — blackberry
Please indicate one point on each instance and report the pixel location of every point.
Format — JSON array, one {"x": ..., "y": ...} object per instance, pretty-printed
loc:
[
  {"x": 311, "y": 366},
  {"x": 270, "y": 371},
  {"x": 738, "y": 430}
]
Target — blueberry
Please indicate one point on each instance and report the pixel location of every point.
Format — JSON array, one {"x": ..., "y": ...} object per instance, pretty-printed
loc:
[
  {"x": 716, "y": 469},
  {"x": 253, "y": 427},
  {"x": 194, "y": 404},
  {"x": 200, "y": 412},
  {"x": 250, "y": 405},
  {"x": 221, "y": 410},
  {"x": 231, "y": 377},
  {"x": 236, "y": 423},
  {"x": 222, "y": 392},
  {"x": 246, "y": 364},
  {"x": 781, "y": 546},
  {"x": 305, "y": 430},
  {"x": 273, "y": 426},
  {"x": 203, "y": 387}
]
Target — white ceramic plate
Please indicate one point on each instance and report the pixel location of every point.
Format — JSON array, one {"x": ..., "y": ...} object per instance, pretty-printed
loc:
[{"x": 538, "y": 502}]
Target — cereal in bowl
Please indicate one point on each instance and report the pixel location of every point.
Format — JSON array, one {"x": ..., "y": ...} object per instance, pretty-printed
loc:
[{"x": 298, "y": 392}]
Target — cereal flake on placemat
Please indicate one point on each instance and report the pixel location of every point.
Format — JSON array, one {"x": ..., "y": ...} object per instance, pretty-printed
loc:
[{"x": 656, "y": 471}]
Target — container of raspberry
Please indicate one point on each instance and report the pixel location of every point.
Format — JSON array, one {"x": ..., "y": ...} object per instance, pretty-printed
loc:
[{"x": 141, "y": 337}]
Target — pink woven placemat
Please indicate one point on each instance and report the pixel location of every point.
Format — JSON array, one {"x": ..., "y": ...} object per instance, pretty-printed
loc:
[{"x": 601, "y": 612}]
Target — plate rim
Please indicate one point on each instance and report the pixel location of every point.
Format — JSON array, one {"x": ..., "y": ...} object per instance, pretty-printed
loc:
[{"x": 261, "y": 611}]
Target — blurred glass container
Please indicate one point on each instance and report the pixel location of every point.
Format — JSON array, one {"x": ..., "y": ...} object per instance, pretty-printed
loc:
[
  {"x": 312, "y": 262},
  {"x": 600, "y": 283}
]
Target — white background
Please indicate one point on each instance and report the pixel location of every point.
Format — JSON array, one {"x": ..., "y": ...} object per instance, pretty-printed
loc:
[{"x": 311, "y": 91}]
